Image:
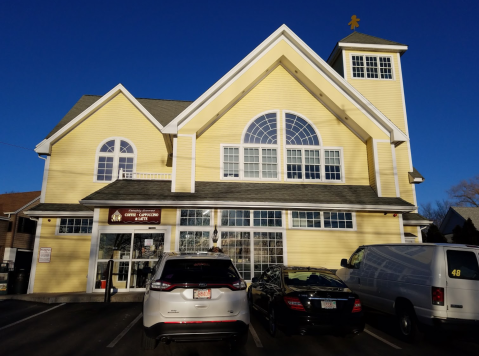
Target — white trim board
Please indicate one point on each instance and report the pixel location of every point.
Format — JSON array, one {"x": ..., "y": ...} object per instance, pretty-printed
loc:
[
  {"x": 266, "y": 205},
  {"x": 53, "y": 214},
  {"x": 36, "y": 248},
  {"x": 44, "y": 147}
]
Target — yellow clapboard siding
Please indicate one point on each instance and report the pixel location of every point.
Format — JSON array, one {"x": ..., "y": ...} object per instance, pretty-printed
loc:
[
  {"x": 72, "y": 163},
  {"x": 183, "y": 169},
  {"x": 68, "y": 268},
  {"x": 371, "y": 165},
  {"x": 280, "y": 91},
  {"x": 386, "y": 169},
  {"x": 326, "y": 248},
  {"x": 403, "y": 169},
  {"x": 386, "y": 95}
]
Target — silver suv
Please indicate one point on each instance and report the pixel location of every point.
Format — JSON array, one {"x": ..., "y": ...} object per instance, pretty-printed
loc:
[{"x": 195, "y": 296}]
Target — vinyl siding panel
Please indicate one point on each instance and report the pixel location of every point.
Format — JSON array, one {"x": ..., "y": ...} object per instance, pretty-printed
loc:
[
  {"x": 326, "y": 248},
  {"x": 72, "y": 163},
  {"x": 386, "y": 95},
  {"x": 386, "y": 170},
  {"x": 403, "y": 169},
  {"x": 68, "y": 267},
  {"x": 183, "y": 163},
  {"x": 280, "y": 91}
]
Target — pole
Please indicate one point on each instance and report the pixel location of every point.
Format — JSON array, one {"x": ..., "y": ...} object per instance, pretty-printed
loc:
[{"x": 108, "y": 281}]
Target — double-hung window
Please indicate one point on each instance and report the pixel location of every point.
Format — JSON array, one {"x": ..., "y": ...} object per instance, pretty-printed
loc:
[
  {"x": 371, "y": 67},
  {"x": 257, "y": 157}
]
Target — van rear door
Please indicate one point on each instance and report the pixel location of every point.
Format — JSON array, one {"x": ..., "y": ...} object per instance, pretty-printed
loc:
[{"x": 462, "y": 276}]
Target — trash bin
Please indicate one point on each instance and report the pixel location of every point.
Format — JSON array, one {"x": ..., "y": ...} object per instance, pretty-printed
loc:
[{"x": 19, "y": 282}]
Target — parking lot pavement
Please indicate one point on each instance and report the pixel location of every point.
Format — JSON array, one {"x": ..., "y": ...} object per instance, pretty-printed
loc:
[{"x": 115, "y": 329}]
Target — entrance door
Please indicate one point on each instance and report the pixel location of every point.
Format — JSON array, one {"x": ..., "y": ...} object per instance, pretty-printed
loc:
[{"x": 134, "y": 255}]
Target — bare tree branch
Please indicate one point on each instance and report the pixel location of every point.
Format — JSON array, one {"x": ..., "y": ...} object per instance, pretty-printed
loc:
[
  {"x": 435, "y": 212},
  {"x": 466, "y": 193}
]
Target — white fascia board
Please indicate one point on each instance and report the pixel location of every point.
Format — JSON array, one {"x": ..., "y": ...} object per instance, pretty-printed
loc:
[
  {"x": 44, "y": 147},
  {"x": 23, "y": 207},
  {"x": 59, "y": 213},
  {"x": 304, "y": 50},
  {"x": 417, "y": 222},
  {"x": 274, "y": 205},
  {"x": 374, "y": 47},
  {"x": 4, "y": 218}
]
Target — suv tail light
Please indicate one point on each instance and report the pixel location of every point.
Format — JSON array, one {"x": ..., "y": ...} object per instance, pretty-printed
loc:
[
  {"x": 239, "y": 285},
  {"x": 357, "y": 306},
  {"x": 437, "y": 296},
  {"x": 294, "y": 303},
  {"x": 161, "y": 285}
]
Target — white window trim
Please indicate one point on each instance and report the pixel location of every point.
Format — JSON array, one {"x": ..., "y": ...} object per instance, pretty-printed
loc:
[
  {"x": 57, "y": 227},
  {"x": 290, "y": 221},
  {"x": 180, "y": 228},
  {"x": 379, "y": 66},
  {"x": 241, "y": 162},
  {"x": 322, "y": 164},
  {"x": 251, "y": 214},
  {"x": 116, "y": 157}
]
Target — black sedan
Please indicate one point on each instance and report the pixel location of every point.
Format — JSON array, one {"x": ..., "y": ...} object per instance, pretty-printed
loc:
[{"x": 305, "y": 300}]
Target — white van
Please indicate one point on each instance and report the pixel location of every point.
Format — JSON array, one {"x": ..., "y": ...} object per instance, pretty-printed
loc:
[{"x": 430, "y": 284}]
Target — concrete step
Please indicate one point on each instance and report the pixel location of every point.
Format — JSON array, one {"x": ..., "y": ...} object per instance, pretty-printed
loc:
[{"x": 53, "y": 298}]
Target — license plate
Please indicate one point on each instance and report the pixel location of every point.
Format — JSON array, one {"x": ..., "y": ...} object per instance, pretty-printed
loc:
[
  {"x": 201, "y": 293},
  {"x": 328, "y": 304}
]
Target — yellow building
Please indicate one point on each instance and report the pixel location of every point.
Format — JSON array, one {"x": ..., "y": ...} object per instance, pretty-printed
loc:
[{"x": 286, "y": 159}]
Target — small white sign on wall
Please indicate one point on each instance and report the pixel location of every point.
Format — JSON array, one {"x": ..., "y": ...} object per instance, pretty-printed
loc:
[
  {"x": 45, "y": 255},
  {"x": 148, "y": 242}
]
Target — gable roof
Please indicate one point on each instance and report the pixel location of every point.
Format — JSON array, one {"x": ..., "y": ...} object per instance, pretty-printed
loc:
[
  {"x": 231, "y": 194},
  {"x": 468, "y": 213},
  {"x": 358, "y": 37},
  {"x": 12, "y": 202},
  {"x": 163, "y": 110},
  {"x": 316, "y": 62},
  {"x": 159, "y": 111}
]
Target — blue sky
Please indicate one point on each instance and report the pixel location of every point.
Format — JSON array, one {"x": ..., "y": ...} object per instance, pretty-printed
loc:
[{"x": 53, "y": 52}]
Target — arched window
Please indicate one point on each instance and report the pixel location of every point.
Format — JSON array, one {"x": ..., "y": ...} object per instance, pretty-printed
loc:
[
  {"x": 263, "y": 130},
  {"x": 113, "y": 155},
  {"x": 257, "y": 157},
  {"x": 299, "y": 132}
]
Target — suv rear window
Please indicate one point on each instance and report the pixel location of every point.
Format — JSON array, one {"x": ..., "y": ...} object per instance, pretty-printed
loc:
[
  {"x": 462, "y": 265},
  {"x": 199, "y": 271},
  {"x": 312, "y": 278}
]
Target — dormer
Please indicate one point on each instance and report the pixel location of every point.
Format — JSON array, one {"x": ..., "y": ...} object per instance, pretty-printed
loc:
[{"x": 372, "y": 65}]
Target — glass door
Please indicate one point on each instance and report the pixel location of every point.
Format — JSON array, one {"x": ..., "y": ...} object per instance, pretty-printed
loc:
[{"x": 147, "y": 247}]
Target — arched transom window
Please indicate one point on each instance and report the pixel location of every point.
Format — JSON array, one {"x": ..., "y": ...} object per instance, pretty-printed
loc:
[
  {"x": 113, "y": 155},
  {"x": 304, "y": 157}
]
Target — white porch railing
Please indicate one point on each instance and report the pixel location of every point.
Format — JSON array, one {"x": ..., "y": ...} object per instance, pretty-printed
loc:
[{"x": 142, "y": 175}]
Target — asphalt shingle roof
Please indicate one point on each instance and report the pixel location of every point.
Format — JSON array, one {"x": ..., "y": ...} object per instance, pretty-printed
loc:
[
  {"x": 358, "y": 37},
  {"x": 11, "y": 202},
  {"x": 413, "y": 217},
  {"x": 415, "y": 173},
  {"x": 162, "y": 110},
  {"x": 472, "y": 213},
  {"x": 144, "y": 190}
]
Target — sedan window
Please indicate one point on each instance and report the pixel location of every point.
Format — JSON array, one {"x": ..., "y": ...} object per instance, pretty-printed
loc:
[{"x": 312, "y": 278}]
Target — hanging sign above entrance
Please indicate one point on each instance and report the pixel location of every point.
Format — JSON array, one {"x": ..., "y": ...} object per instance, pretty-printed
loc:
[{"x": 118, "y": 216}]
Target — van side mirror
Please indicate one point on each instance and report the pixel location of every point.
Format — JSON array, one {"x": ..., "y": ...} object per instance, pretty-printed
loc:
[
  {"x": 344, "y": 263},
  {"x": 254, "y": 280}
]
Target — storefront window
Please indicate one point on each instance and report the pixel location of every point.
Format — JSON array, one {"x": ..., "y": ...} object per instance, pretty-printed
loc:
[
  {"x": 114, "y": 246},
  {"x": 268, "y": 250},
  {"x": 119, "y": 275},
  {"x": 194, "y": 241},
  {"x": 148, "y": 246},
  {"x": 237, "y": 245}
]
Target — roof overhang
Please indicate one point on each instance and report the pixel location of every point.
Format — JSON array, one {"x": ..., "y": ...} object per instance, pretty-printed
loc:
[
  {"x": 44, "y": 147},
  {"x": 52, "y": 214},
  {"x": 253, "y": 205},
  {"x": 319, "y": 65},
  {"x": 4, "y": 218},
  {"x": 417, "y": 222},
  {"x": 368, "y": 47}
]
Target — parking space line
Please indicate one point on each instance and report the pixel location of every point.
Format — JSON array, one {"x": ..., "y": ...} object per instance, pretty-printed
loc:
[
  {"x": 381, "y": 339},
  {"x": 113, "y": 343},
  {"x": 20, "y": 321},
  {"x": 256, "y": 339}
]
